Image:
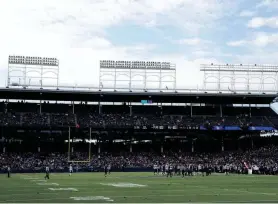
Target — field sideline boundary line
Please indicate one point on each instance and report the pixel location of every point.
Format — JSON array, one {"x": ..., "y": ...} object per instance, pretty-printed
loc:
[
  {"x": 239, "y": 191},
  {"x": 137, "y": 196}
]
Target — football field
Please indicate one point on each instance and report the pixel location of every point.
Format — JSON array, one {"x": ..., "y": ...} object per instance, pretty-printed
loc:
[{"x": 136, "y": 187}]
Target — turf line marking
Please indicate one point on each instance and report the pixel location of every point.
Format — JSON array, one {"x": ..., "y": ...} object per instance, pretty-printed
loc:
[
  {"x": 63, "y": 189},
  {"x": 234, "y": 190},
  {"x": 123, "y": 185},
  {"x": 25, "y": 194},
  {"x": 38, "y": 181},
  {"x": 146, "y": 196},
  {"x": 48, "y": 184},
  {"x": 31, "y": 178},
  {"x": 250, "y": 192},
  {"x": 89, "y": 198}
]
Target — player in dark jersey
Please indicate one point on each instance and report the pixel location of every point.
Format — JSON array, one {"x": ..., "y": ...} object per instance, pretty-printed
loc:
[
  {"x": 190, "y": 170},
  {"x": 105, "y": 170},
  {"x": 183, "y": 171},
  {"x": 163, "y": 169},
  {"x": 46, "y": 173},
  {"x": 9, "y": 172}
]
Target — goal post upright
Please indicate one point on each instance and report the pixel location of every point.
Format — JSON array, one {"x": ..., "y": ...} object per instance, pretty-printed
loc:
[
  {"x": 69, "y": 140},
  {"x": 90, "y": 143},
  {"x": 69, "y": 147}
]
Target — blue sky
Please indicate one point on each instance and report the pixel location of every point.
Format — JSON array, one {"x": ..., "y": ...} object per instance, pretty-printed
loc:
[{"x": 186, "y": 32}]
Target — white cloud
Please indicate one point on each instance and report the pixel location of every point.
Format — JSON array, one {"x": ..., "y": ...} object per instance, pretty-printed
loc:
[
  {"x": 258, "y": 22},
  {"x": 237, "y": 43},
  {"x": 74, "y": 31},
  {"x": 268, "y": 3},
  {"x": 246, "y": 13},
  {"x": 258, "y": 40},
  {"x": 263, "y": 39},
  {"x": 192, "y": 41}
]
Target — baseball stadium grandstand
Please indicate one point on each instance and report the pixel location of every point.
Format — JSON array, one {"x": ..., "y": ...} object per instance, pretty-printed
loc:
[
  {"x": 138, "y": 101},
  {"x": 139, "y": 133},
  {"x": 61, "y": 144}
]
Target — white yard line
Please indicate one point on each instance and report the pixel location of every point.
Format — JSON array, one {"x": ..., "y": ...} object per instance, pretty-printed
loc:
[
  {"x": 37, "y": 180},
  {"x": 130, "y": 190},
  {"x": 250, "y": 192},
  {"x": 22, "y": 194},
  {"x": 31, "y": 178},
  {"x": 204, "y": 188},
  {"x": 235, "y": 190}
]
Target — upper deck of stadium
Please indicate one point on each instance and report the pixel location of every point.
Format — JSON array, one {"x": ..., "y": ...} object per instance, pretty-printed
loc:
[{"x": 192, "y": 96}]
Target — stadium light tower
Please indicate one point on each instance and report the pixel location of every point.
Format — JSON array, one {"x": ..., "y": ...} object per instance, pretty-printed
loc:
[
  {"x": 240, "y": 77},
  {"x": 32, "y": 71},
  {"x": 143, "y": 74}
]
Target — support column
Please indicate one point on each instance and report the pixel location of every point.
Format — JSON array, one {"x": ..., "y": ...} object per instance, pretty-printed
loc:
[
  {"x": 99, "y": 108},
  {"x": 90, "y": 143},
  {"x": 221, "y": 114},
  {"x": 191, "y": 110},
  {"x": 40, "y": 106},
  {"x": 38, "y": 134},
  {"x": 98, "y": 150},
  {"x": 4, "y": 149},
  {"x": 192, "y": 146},
  {"x": 73, "y": 108},
  {"x": 161, "y": 149},
  {"x": 130, "y": 148},
  {"x": 130, "y": 110},
  {"x": 222, "y": 145}
]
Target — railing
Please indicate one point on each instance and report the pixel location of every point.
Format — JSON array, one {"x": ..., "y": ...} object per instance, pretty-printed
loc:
[{"x": 142, "y": 90}]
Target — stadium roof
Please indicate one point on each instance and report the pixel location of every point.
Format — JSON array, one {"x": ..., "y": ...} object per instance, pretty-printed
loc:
[{"x": 156, "y": 97}]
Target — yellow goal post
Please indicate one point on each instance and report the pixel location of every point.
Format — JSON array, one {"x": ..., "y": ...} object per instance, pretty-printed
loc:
[{"x": 69, "y": 148}]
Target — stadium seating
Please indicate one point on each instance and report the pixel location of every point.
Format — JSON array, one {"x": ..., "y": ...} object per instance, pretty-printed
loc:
[
  {"x": 125, "y": 120},
  {"x": 265, "y": 157}
]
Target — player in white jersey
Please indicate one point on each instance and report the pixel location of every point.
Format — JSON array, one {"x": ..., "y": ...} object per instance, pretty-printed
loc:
[
  {"x": 109, "y": 168},
  {"x": 171, "y": 168},
  {"x": 167, "y": 170},
  {"x": 225, "y": 169},
  {"x": 70, "y": 170},
  {"x": 46, "y": 173},
  {"x": 155, "y": 169},
  {"x": 182, "y": 170}
]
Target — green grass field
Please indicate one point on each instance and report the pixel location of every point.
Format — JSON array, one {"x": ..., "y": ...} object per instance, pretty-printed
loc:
[{"x": 137, "y": 187}]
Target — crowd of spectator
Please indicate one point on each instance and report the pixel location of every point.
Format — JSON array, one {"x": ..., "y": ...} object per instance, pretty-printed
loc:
[
  {"x": 263, "y": 158},
  {"x": 126, "y": 120}
]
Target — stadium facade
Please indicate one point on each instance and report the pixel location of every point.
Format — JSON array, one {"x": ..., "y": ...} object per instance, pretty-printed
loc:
[
  {"x": 91, "y": 124},
  {"x": 205, "y": 121}
]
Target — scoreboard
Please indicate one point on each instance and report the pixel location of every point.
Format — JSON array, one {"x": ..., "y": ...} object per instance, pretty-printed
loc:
[{"x": 146, "y": 101}]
